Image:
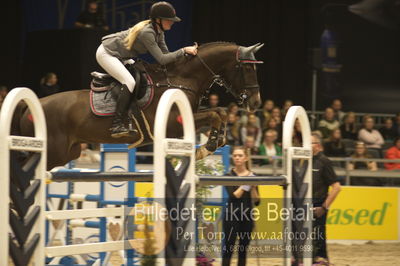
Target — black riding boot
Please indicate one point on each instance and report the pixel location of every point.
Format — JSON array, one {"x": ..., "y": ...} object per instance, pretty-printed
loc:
[{"x": 118, "y": 128}]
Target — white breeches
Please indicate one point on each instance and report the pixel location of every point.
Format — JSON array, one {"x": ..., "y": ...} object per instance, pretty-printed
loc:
[{"x": 115, "y": 68}]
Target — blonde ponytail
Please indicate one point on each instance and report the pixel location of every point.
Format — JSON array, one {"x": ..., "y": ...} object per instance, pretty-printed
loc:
[{"x": 133, "y": 33}]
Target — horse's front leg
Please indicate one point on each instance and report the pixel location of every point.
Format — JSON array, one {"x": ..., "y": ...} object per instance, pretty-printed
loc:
[
  {"x": 222, "y": 130},
  {"x": 216, "y": 120}
]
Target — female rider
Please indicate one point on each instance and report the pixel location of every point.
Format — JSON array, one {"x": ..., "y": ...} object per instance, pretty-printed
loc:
[{"x": 145, "y": 37}]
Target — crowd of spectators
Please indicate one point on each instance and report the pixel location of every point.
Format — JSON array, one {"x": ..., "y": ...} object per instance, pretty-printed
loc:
[{"x": 343, "y": 134}]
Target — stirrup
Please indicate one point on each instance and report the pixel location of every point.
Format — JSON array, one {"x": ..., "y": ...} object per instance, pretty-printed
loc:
[{"x": 119, "y": 131}]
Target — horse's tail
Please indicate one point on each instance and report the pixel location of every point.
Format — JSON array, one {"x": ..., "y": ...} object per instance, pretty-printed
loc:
[{"x": 16, "y": 120}]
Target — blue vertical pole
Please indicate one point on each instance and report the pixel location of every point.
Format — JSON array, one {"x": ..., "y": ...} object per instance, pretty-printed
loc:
[{"x": 131, "y": 199}]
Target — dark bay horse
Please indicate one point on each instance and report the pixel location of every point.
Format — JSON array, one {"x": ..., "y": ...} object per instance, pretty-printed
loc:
[{"x": 70, "y": 120}]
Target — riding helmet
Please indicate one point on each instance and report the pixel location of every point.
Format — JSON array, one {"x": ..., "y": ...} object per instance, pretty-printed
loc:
[{"x": 163, "y": 10}]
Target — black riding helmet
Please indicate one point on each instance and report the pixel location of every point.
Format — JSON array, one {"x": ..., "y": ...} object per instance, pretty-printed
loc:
[{"x": 163, "y": 10}]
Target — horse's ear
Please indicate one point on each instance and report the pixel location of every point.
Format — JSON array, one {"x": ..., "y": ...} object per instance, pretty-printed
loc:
[{"x": 258, "y": 47}]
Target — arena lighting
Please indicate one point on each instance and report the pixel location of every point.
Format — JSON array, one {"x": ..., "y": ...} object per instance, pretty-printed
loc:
[{"x": 382, "y": 12}]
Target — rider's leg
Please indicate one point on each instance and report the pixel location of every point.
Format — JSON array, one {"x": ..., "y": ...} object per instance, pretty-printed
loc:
[{"x": 115, "y": 68}]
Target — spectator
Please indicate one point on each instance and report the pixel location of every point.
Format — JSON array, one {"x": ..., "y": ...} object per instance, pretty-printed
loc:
[
  {"x": 297, "y": 135},
  {"x": 337, "y": 108},
  {"x": 241, "y": 199},
  {"x": 213, "y": 100},
  {"x": 250, "y": 145},
  {"x": 334, "y": 147},
  {"x": 362, "y": 153},
  {"x": 251, "y": 129},
  {"x": 370, "y": 136},
  {"x": 269, "y": 147},
  {"x": 388, "y": 131},
  {"x": 349, "y": 128},
  {"x": 233, "y": 130},
  {"x": 91, "y": 17},
  {"x": 233, "y": 108},
  {"x": 397, "y": 124},
  {"x": 272, "y": 124},
  {"x": 49, "y": 85},
  {"x": 328, "y": 124},
  {"x": 265, "y": 114},
  {"x": 393, "y": 153},
  {"x": 286, "y": 105},
  {"x": 3, "y": 94},
  {"x": 277, "y": 114},
  {"x": 250, "y": 115}
]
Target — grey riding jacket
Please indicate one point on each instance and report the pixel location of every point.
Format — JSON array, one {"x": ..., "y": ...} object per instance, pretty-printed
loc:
[{"x": 147, "y": 41}]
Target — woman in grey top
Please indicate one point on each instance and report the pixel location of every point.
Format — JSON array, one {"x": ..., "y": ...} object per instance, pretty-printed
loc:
[{"x": 119, "y": 48}]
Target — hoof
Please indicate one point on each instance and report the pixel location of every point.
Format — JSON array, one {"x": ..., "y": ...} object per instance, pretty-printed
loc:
[
  {"x": 211, "y": 146},
  {"x": 221, "y": 142}
]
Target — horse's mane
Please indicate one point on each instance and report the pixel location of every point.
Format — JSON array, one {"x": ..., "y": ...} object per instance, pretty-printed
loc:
[
  {"x": 177, "y": 64},
  {"x": 219, "y": 43}
]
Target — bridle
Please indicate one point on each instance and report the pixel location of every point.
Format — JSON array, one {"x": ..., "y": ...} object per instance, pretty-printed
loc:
[{"x": 243, "y": 96}]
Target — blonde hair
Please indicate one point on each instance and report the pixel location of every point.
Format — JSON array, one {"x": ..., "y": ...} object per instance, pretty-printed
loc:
[{"x": 134, "y": 32}]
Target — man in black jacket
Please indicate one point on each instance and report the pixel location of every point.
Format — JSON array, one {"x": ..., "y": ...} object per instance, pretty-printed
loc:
[{"x": 323, "y": 177}]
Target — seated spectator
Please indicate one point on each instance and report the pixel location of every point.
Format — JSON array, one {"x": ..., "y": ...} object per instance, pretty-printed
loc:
[
  {"x": 362, "y": 153},
  {"x": 249, "y": 144},
  {"x": 397, "y": 124},
  {"x": 3, "y": 94},
  {"x": 334, "y": 147},
  {"x": 244, "y": 119},
  {"x": 337, "y": 108},
  {"x": 277, "y": 114},
  {"x": 233, "y": 108},
  {"x": 286, "y": 105},
  {"x": 265, "y": 113},
  {"x": 297, "y": 136},
  {"x": 349, "y": 127},
  {"x": 272, "y": 124},
  {"x": 393, "y": 153},
  {"x": 233, "y": 130},
  {"x": 49, "y": 85},
  {"x": 251, "y": 129},
  {"x": 328, "y": 123},
  {"x": 388, "y": 131},
  {"x": 213, "y": 100},
  {"x": 269, "y": 147},
  {"x": 88, "y": 155},
  {"x": 370, "y": 136},
  {"x": 91, "y": 17}
]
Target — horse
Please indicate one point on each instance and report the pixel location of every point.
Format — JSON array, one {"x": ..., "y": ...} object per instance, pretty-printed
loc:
[{"x": 70, "y": 120}]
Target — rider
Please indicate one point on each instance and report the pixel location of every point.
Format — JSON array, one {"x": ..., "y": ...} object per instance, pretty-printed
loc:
[{"x": 119, "y": 48}]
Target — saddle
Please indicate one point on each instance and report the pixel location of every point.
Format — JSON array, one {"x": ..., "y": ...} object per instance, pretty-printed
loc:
[
  {"x": 104, "y": 82},
  {"x": 105, "y": 91}
]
